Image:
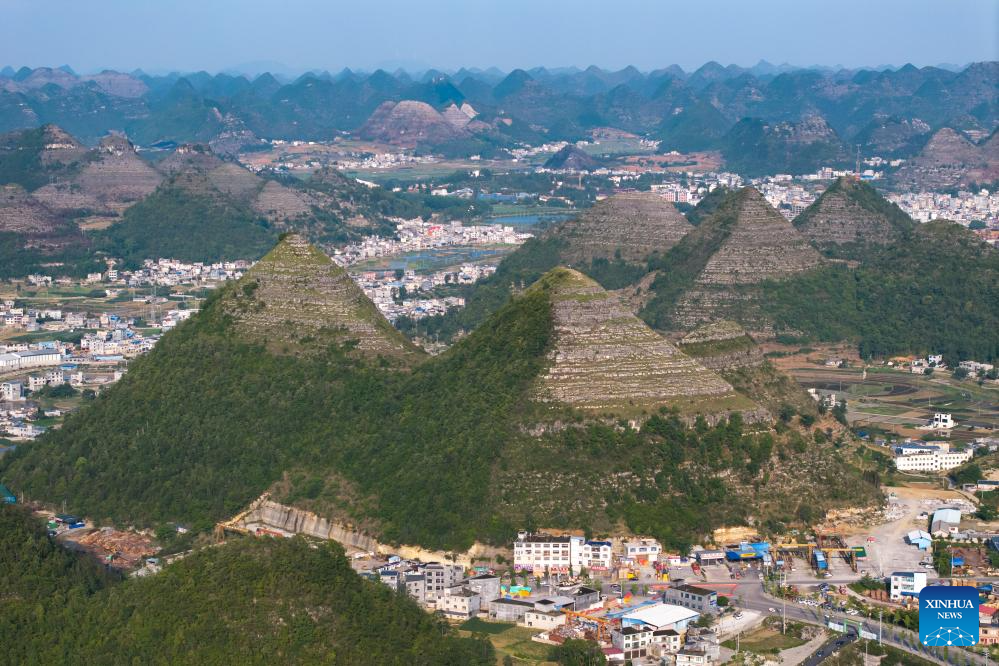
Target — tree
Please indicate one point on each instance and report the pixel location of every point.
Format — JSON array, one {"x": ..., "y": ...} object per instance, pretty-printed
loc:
[
  {"x": 575, "y": 652},
  {"x": 722, "y": 601}
]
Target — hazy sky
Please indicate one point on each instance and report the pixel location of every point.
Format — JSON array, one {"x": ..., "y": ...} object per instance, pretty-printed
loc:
[{"x": 159, "y": 35}]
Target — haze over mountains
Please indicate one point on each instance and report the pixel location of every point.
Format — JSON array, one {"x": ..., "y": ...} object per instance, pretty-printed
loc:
[{"x": 784, "y": 118}]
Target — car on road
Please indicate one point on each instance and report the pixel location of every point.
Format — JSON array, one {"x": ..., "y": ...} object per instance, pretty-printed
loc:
[
  {"x": 738, "y": 615},
  {"x": 772, "y": 610}
]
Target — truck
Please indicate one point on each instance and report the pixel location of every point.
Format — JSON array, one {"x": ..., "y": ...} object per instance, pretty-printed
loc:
[{"x": 820, "y": 560}]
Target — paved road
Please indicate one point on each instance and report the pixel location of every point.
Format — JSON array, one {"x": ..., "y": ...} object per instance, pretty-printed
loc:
[
  {"x": 830, "y": 647},
  {"x": 754, "y": 598}
]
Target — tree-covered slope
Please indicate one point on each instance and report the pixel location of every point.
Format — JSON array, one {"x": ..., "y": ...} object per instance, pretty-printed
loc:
[
  {"x": 255, "y": 601},
  {"x": 192, "y": 224},
  {"x": 938, "y": 291}
]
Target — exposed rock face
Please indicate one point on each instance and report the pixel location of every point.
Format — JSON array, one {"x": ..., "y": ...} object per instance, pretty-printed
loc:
[
  {"x": 409, "y": 123},
  {"x": 459, "y": 117},
  {"x": 755, "y": 244},
  {"x": 631, "y": 225},
  {"x": 605, "y": 358},
  {"x": 951, "y": 160},
  {"x": 296, "y": 295},
  {"x": 722, "y": 345},
  {"x": 852, "y": 212},
  {"x": 233, "y": 137},
  {"x": 571, "y": 158}
]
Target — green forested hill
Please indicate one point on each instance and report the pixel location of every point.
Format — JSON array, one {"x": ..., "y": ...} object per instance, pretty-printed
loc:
[
  {"x": 938, "y": 291},
  {"x": 441, "y": 455},
  {"x": 255, "y": 601}
]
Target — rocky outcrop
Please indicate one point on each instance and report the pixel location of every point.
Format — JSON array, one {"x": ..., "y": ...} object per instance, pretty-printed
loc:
[
  {"x": 190, "y": 157},
  {"x": 296, "y": 299},
  {"x": 272, "y": 515},
  {"x": 606, "y": 359},
  {"x": 852, "y": 212},
  {"x": 630, "y": 225}
]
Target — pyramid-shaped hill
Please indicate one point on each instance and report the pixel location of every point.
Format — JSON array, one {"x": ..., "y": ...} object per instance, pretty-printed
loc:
[
  {"x": 715, "y": 271},
  {"x": 605, "y": 359},
  {"x": 852, "y": 213},
  {"x": 295, "y": 298},
  {"x": 759, "y": 244},
  {"x": 629, "y": 225},
  {"x": 722, "y": 345}
]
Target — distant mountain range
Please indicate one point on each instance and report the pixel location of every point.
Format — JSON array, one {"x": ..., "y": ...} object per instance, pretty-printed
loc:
[{"x": 763, "y": 117}]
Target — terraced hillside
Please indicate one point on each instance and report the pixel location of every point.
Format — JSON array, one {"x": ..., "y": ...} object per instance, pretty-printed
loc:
[
  {"x": 606, "y": 358},
  {"x": 850, "y": 215},
  {"x": 629, "y": 226},
  {"x": 297, "y": 295},
  {"x": 457, "y": 448},
  {"x": 715, "y": 271},
  {"x": 726, "y": 348}
]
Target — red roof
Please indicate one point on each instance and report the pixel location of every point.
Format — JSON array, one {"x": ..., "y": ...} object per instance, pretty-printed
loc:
[{"x": 986, "y": 610}]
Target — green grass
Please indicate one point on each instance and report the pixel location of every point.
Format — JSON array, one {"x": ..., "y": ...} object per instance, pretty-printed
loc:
[
  {"x": 764, "y": 640},
  {"x": 475, "y": 625}
]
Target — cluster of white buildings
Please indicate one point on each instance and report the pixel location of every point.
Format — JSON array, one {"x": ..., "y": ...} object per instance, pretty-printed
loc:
[
  {"x": 789, "y": 198},
  {"x": 918, "y": 456},
  {"x": 569, "y": 555},
  {"x": 415, "y": 235},
  {"x": 173, "y": 272},
  {"x": 965, "y": 208},
  {"x": 384, "y": 288}
]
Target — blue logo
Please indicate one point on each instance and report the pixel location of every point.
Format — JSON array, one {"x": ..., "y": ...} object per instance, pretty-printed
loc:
[{"x": 948, "y": 616}]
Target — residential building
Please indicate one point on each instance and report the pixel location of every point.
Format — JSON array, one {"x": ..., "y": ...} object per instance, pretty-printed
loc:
[
  {"x": 661, "y": 616},
  {"x": 544, "y": 620},
  {"x": 988, "y": 634},
  {"x": 932, "y": 461},
  {"x": 594, "y": 555},
  {"x": 486, "y": 585},
  {"x": 945, "y": 521},
  {"x": 695, "y": 598},
  {"x": 545, "y": 552},
  {"x": 459, "y": 603},
  {"x": 642, "y": 551},
  {"x": 633, "y": 640},
  {"x": 585, "y": 597},
  {"x": 11, "y": 392},
  {"x": 440, "y": 577},
  {"x": 906, "y": 584},
  {"x": 692, "y": 657},
  {"x": 416, "y": 586},
  {"x": 509, "y": 610}
]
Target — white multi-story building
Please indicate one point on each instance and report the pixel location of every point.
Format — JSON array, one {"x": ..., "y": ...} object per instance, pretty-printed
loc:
[
  {"x": 594, "y": 555},
  {"x": 544, "y": 552},
  {"x": 11, "y": 392},
  {"x": 906, "y": 584},
  {"x": 642, "y": 550},
  {"x": 932, "y": 461}
]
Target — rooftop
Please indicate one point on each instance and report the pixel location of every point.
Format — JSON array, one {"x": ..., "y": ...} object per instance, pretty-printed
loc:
[{"x": 661, "y": 615}]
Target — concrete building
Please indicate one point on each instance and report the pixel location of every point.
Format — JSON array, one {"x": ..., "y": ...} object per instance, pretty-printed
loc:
[
  {"x": 11, "y": 392},
  {"x": 486, "y": 585},
  {"x": 642, "y": 551},
  {"x": 932, "y": 461},
  {"x": 906, "y": 584},
  {"x": 439, "y": 577},
  {"x": 546, "y": 553},
  {"x": 416, "y": 586},
  {"x": 594, "y": 555},
  {"x": 509, "y": 610},
  {"x": 544, "y": 620},
  {"x": 692, "y": 657},
  {"x": 585, "y": 597},
  {"x": 661, "y": 616},
  {"x": 695, "y": 598},
  {"x": 459, "y": 603},
  {"x": 633, "y": 640},
  {"x": 945, "y": 522}
]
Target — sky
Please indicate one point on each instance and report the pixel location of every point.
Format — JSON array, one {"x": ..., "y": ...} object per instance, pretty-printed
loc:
[{"x": 219, "y": 35}]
